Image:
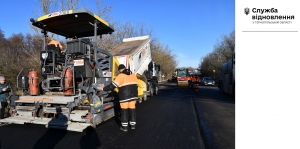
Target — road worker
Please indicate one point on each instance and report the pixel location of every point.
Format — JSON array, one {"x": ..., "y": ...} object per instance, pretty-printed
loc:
[
  {"x": 3, "y": 95},
  {"x": 193, "y": 80},
  {"x": 56, "y": 43},
  {"x": 198, "y": 79},
  {"x": 127, "y": 83}
]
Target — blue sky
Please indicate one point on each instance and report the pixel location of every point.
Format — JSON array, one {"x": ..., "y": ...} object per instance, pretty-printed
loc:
[{"x": 190, "y": 28}]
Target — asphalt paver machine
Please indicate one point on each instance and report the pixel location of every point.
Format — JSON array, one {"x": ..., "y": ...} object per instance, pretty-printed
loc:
[{"x": 61, "y": 95}]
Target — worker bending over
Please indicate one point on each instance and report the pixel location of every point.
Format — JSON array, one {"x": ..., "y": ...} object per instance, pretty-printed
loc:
[{"x": 127, "y": 83}]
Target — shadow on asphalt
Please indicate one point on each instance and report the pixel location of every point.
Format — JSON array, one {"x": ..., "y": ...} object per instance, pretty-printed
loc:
[
  {"x": 50, "y": 139},
  {"x": 90, "y": 140},
  {"x": 53, "y": 136}
]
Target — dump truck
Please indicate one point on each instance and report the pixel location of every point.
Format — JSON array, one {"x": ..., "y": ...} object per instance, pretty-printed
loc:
[
  {"x": 227, "y": 77},
  {"x": 60, "y": 95},
  {"x": 135, "y": 54}
]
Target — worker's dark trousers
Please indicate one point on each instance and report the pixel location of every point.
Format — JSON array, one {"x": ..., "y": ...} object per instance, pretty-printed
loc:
[
  {"x": 132, "y": 117},
  {"x": 124, "y": 118},
  {"x": 2, "y": 109}
]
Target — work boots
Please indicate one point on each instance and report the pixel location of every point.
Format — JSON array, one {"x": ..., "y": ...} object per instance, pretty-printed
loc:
[
  {"x": 125, "y": 129},
  {"x": 132, "y": 118},
  {"x": 124, "y": 120}
]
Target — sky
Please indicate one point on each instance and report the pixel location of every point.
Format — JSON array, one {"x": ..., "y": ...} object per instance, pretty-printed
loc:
[{"x": 190, "y": 28}]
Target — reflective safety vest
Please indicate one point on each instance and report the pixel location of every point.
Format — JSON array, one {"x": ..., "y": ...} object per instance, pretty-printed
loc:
[{"x": 127, "y": 83}]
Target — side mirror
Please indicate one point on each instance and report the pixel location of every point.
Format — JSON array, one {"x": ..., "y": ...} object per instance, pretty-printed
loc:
[{"x": 158, "y": 67}]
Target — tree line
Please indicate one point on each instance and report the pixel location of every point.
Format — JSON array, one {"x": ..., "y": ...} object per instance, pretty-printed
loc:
[
  {"x": 23, "y": 50},
  {"x": 211, "y": 64}
]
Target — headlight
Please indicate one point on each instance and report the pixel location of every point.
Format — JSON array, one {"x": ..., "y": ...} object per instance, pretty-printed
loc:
[{"x": 44, "y": 55}]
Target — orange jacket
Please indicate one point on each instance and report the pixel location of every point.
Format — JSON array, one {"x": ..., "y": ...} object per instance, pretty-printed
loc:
[
  {"x": 55, "y": 43},
  {"x": 194, "y": 79},
  {"x": 127, "y": 83}
]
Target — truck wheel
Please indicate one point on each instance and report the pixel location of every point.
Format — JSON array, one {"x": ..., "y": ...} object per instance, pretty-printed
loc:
[{"x": 156, "y": 90}]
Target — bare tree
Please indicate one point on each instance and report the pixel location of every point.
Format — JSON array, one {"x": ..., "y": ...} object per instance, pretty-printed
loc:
[
  {"x": 68, "y": 4},
  {"x": 162, "y": 54},
  {"x": 103, "y": 11},
  {"x": 3, "y": 41},
  {"x": 222, "y": 53},
  {"x": 46, "y": 5},
  {"x": 3, "y": 45}
]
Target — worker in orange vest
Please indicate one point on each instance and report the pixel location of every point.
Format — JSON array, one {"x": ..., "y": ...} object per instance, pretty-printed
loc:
[
  {"x": 56, "y": 43},
  {"x": 194, "y": 79},
  {"x": 198, "y": 79},
  {"x": 189, "y": 80},
  {"x": 127, "y": 83}
]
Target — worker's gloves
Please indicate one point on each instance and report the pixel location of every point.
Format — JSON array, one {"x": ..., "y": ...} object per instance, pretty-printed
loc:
[{"x": 8, "y": 88}]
